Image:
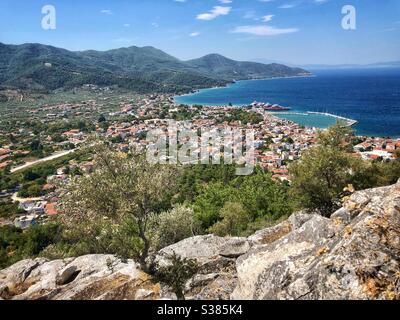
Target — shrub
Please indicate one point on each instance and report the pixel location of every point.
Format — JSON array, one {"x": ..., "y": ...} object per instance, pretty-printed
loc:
[
  {"x": 234, "y": 220},
  {"x": 173, "y": 226}
]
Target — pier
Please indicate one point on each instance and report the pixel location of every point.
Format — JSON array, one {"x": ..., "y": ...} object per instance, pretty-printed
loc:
[{"x": 348, "y": 122}]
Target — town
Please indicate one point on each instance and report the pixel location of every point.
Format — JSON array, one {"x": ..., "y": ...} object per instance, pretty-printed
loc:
[{"x": 42, "y": 145}]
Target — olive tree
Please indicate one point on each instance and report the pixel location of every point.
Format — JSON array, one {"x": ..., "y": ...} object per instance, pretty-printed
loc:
[
  {"x": 173, "y": 226},
  {"x": 319, "y": 178},
  {"x": 122, "y": 185}
]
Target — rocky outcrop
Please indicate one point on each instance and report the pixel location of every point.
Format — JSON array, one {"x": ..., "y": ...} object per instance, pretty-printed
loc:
[
  {"x": 87, "y": 277},
  {"x": 353, "y": 255}
]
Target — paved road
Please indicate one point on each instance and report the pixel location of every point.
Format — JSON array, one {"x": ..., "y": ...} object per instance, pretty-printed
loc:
[
  {"x": 32, "y": 163},
  {"x": 15, "y": 198}
]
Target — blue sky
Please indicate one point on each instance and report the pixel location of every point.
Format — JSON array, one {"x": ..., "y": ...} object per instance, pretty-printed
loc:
[{"x": 290, "y": 31}]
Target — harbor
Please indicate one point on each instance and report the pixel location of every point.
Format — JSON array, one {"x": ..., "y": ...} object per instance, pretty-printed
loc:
[{"x": 348, "y": 122}]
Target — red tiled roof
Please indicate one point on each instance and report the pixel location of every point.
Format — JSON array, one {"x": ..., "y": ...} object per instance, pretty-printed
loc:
[{"x": 50, "y": 209}]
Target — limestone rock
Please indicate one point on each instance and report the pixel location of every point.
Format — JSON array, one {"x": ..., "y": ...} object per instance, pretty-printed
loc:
[
  {"x": 353, "y": 255},
  {"x": 215, "y": 258},
  {"x": 86, "y": 277}
]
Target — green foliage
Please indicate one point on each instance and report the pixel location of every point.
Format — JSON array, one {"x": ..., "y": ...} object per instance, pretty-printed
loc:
[
  {"x": 196, "y": 177},
  {"x": 235, "y": 220},
  {"x": 243, "y": 116},
  {"x": 176, "y": 274},
  {"x": 122, "y": 187},
  {"x": 173, "y": 226},
  {"x": 144, "y": 69},
  {"x": 16, "y": 244},
  {"x": 336, "y": 137},
  {"x": 97, "y": 237},
  {"x": 319, "y": 178},
  {"x": 30, "y": 190},
  {"x": 259, "y": 195},
  {"x": 9, "y": 209}
]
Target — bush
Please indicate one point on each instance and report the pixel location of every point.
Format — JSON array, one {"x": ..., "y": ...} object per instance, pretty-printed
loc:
[
  {"x": 99, "y": 236},
  {"x": 234, "y": 220},
  {"x": 173, "y": 226},
  {"x": 16, "y": 245},
  {"x": 176, "y": 274}
]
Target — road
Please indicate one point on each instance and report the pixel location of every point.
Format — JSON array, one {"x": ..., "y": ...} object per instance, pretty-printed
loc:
[
  {"x": 15, "y": 198},
  {"x": 32, "y": 163}
]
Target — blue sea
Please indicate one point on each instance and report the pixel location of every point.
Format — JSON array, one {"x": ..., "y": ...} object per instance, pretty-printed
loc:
[{"x": 370, "y": 96}]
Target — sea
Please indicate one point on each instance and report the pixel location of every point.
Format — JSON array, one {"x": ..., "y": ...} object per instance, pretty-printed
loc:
[{"x": 369, "y": 96}]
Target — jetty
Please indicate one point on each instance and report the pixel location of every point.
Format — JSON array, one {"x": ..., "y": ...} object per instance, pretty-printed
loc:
[{"x": 348, "y": 122}]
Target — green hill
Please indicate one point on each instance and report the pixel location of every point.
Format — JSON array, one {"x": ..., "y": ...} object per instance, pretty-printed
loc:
[{"x": 41, "y": 67}]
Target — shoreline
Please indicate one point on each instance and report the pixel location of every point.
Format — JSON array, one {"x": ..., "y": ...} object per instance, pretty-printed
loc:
[
  {"x": 238, "y": 81},
  {"x": 351, "y": 122}
]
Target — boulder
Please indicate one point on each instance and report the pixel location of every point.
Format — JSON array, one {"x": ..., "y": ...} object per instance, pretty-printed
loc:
[
  {"x": 353, "y": 255},
  {"x": 87, "y": 277}
]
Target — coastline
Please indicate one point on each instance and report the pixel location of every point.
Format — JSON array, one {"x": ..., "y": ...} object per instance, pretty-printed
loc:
[
  {"x": 303, "y": 101},
  {"x": 311, "y": 75}
]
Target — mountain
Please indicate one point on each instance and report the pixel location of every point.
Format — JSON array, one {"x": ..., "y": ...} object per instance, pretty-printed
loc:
[
  {"x": 146, "y": 69},
  {"x": 224, "y": 68}
]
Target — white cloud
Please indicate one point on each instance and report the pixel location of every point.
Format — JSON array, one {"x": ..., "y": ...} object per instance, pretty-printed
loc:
[
  {"x": 214, "y": 13},
  {"x": 106, "y": 11},
  {"x": 287, "y": 6},
  {"x": 155, "y": 24},
  {"x": 181, "y": 1},
  {"x": 127, "y": 25},
  {"x": 225, "y": 1},
  {"x": 320, "y": 1},
  {"x": 262, "y": 30},
  {"x": 195, "y": 34},
  {"x": 267, "y": 18}
]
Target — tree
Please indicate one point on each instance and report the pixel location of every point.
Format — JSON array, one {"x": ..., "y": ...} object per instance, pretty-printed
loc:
[
  {"x": 397, "y": 154},
  {"x": 102, "y": 118},
  {"x": 176, "y": 274},
  {"x": 234, "y": 220},
  {"x": 319, "y": 178},
  {"x": 336, "y": 137},
  {"x": 122, "y": 186},
  {"x": 173, "y": 226}
]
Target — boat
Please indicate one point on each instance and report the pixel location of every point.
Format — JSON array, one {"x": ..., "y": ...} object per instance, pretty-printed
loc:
[{"x": 269, "y": 106}]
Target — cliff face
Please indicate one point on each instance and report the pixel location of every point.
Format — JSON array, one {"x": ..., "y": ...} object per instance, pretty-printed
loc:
[{"x": 353, "y": 255}]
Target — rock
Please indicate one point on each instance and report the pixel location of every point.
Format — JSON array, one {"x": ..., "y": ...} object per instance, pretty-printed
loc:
[
  {"x": 99, "y": 277},
  {"x": 353, "y": 255},
  {"x": 357, "y": 258},
  {"x": 298, "y": 219},
  {"x": 142, "y": 294},
  {"x": 215, "y": 258},
  {"x": 200, "y": 280},
  {"x": 272, "y": 234},
  {"x": 234, "y": 248},
  {"x": 203, "y": 249},
  {"x": 67, "y": 275},
  {"x": 342, "y": 214}
]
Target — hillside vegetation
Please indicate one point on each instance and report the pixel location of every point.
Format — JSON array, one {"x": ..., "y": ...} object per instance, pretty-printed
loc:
[{"x": 146, "y": 69}]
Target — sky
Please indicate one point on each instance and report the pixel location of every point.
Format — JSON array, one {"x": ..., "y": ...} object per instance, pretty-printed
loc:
[{"x": 297, "y": 32}]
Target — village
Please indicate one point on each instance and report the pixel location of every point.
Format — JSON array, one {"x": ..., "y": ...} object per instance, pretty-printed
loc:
[{"x": 277, "y": 143}]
